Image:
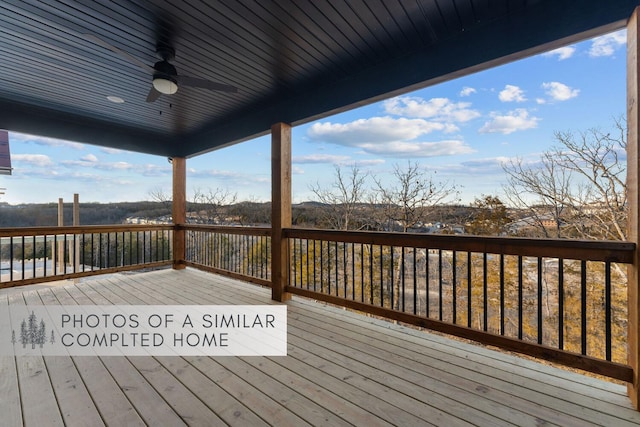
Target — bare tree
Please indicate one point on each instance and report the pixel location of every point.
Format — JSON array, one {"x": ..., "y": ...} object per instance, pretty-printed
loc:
[
  {"x": 344, "y": 199},
  {"x": 542, "y": 189},
  {"x": 210, "y": 204},
  {"x": 406, "y": 202},
  {"x": 157, "y": 194},
  {"x": 581, "y": 182}
]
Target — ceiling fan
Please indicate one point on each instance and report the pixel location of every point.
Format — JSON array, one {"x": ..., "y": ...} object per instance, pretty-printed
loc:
[{"x": 166, "y": 79}]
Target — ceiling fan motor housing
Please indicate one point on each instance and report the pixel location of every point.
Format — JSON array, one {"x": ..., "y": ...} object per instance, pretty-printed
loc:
[{"x": 165, "y": 78}]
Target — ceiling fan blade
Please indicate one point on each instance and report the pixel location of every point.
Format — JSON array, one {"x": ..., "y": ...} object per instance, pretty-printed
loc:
[
  {"x": 153, "y": 95},
  {"x": 206, "y": 84},
  {"x": 119, "y": 52}
]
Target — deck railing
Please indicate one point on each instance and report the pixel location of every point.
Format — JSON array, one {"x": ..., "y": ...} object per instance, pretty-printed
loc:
[
  {"x": 242, "y": 252},
  {"x": 42, "y": 254},
  {"x": 560, "y": 300}
]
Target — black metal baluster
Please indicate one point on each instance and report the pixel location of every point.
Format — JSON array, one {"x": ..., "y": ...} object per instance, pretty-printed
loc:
[
  {"x": 539, "y": 314},
  {"x": 415, "y": 283},
  {"x": 402, "y": 278},
  {"x": 469, "y": 290},
  {"x": 454, "y": 280},
  {"x": 440, "y": 289},
  {"x": 583, "y": 306},
  {"x": 561, "y": 304},
  {"x": 501, "y": 294},
  {"x": 485, "y": 293},
  {"x": 520, "y": 296},
  {"x": 607, "y": 309}
]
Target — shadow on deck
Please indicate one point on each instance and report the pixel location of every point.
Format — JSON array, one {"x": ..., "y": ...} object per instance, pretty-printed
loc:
[{"x": 342, "y": 368}]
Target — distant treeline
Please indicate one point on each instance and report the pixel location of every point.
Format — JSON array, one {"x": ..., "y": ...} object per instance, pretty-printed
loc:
[
  {"x": 46, "y": 215},
  {"x": 308, "y": 214}
]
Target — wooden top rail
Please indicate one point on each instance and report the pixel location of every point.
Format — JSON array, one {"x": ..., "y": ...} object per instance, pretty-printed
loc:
[
  {"x": 588, "y": 250},
  {"x": 247, "y": 231},
  {"x": 84, "y": 229}
]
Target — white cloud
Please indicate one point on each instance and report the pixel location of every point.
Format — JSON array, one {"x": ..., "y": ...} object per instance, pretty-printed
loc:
[
  {"x": 372, "y": 130},
  {"x": 559, "y": 91},
  {"x": 513, "y": 121},
  {"x": 108, "y": 150},
  {"x": 438, "y": 109},
  {"x": 608, "y": 44},
  {"x": 297, "y": 170},
  {"x": 561, "y": 53},
  {"x": 32, "y": 159},
  {"x": 40, "y": 140},
  {"x": 385, "y": 135},
  {"x": 418, "y": 149},
  {"x": 371, "y": 162},
  {"x": 511, "y": 93},
  {"x": 89, "y": 158},
  {"x": 320, "y": 158},
  {"x": 466, "y": 91}
]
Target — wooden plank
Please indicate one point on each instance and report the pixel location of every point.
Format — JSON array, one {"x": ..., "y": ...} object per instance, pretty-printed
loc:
[
  {"x": 280, "y": 208},
  {"x": 187, "y": 406},
  {"x": 231, "y": 410},
  {"x": 536, "y": 399},
  {"x": 110, "y": 400},
  {"x": 147, "y": 401},
  {"x": 633, "y": 196},
  {"x": 403, "y": 396},
  {"x": 306, "y": 408},
  {"x": 322, "y": 318},
  {"x": 230, "y": 381},
  {"x": 397, "y": 399},
  {"x": 574, "y": 360},
  {"x": 73, "y": 399},
  {"x": 10, "y": 405},
  {"x": 39, "y": 405},
  {"x": 341, "y": 366},
  {"x": 366, "y": 409},
  {"x": 502, "y": 361}
]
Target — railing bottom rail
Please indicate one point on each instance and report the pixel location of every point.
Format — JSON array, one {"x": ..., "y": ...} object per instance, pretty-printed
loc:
[{"x": 58, "y": 277}]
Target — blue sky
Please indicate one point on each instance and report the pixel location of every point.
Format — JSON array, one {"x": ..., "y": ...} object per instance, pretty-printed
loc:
[{"x": 460, "y": 131}]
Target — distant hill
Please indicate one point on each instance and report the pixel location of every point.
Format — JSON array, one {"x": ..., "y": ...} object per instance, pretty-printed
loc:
[{"x": 46, "y": 214}]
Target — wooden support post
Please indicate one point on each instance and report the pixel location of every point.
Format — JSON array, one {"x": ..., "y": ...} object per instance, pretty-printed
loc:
[
  {"x": 76, "y": 246},
  {"x": 60, "y": 245},
  {"x": 633, "y": 175},
  {"x": 179, "y": 210},
  {"x": 280, "y": 209},
  {"x": 76, "y": 222}
]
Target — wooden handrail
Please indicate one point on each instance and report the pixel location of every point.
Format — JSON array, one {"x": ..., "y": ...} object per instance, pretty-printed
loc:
[
  {"x": 588, "y": 250},
  {"x": 83, "y": 229},
  {"x": 244, "y": 231}
]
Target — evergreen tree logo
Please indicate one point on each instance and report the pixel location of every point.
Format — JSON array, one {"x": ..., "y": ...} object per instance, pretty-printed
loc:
[{"x": 32, "y": 333}]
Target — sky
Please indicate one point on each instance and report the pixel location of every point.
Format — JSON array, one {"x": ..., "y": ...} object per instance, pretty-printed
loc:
[{"x": 459, "y": 132}]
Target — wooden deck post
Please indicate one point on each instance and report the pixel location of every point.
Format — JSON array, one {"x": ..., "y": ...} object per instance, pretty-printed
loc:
[
  {"x": 280, "y": 208},
  {"x": 179, "y": 209},
  {"x": 633, "y": 174}
]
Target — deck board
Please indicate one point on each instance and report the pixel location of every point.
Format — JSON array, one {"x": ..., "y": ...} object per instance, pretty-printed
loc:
[{"x": 342, "y": 368}]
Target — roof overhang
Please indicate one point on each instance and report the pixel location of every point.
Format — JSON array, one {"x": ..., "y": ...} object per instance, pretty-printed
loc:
[{"x": 291, "y": 63}]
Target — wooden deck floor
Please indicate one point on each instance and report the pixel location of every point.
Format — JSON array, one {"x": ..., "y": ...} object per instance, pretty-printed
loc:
[{"x": 342, "y": 368}]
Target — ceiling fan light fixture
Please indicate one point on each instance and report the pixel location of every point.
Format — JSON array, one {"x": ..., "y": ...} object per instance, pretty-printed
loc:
[{"x": 165, "y": 84}]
